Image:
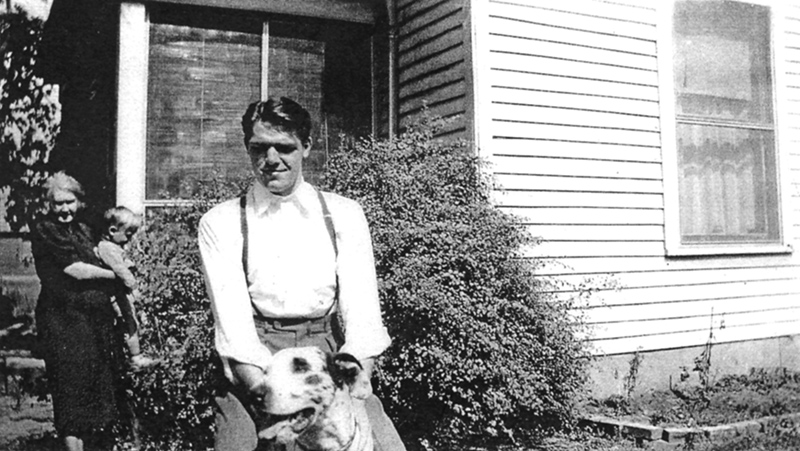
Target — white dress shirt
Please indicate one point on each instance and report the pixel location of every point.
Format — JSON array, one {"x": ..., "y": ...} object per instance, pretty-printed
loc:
[{"x": 291, "y": 270}]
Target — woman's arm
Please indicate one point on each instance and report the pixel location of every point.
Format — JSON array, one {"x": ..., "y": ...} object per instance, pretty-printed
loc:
[{"x": 85, "y": 271}]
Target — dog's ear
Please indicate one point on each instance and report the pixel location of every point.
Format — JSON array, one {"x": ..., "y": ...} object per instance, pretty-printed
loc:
[{"x": 344, "y": 369}]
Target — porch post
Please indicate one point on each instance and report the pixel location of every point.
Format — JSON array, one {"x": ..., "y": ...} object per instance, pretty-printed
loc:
[{"x": 131, "y": 106}]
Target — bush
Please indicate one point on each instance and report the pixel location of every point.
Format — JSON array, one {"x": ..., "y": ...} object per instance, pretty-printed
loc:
[
  {"x": 174, "y": 401},
  {"x": 478, "y": 351}
]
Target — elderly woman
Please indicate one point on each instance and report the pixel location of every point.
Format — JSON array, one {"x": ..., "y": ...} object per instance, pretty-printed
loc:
[{"x": 75, "y": 318}]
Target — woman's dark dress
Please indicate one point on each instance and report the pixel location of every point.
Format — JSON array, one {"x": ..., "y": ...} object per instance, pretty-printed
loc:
[{"x": 75, "y": 323}]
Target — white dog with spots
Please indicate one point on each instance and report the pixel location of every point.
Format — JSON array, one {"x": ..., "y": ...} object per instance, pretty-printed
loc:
[{"x": 309, "y": 402}]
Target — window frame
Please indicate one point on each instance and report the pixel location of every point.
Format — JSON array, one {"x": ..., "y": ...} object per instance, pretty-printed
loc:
[
  {"x": 669, "y": 144},
  {"x": 132, "y": 86}
]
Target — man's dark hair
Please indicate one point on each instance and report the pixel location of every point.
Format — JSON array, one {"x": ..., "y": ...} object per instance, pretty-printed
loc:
[{"x": 285, "y": 114}]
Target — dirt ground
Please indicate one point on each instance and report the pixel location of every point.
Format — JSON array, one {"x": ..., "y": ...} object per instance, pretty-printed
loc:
[{"x": 23, "y": 418}]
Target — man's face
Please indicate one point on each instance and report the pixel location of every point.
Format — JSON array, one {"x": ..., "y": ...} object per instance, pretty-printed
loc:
[
  {"x": 64, "y": 205},
  {"x": 277, "y": 157}
]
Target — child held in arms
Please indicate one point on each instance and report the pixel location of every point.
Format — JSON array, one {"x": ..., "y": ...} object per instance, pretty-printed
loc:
[{"x": 120, "y": 225}]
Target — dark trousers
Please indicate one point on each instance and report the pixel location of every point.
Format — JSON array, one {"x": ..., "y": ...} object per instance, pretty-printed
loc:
[{"x": 236, "y": 430}]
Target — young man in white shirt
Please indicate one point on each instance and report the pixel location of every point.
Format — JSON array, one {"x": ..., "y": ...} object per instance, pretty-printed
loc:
[{"x": 277, "y": 271}]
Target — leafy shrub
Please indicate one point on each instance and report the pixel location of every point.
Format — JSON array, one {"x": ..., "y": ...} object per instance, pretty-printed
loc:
[
  {"x": 478, "y": 351},
  {"x": 174, "y": 401},
  {"x": 30, "y": 118}
]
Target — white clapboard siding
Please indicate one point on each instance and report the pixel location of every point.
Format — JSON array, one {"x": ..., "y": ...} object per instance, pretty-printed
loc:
[
  {"x": 526, "y": 29},
  {"x": 681, "y": 293},
  {"x": 581, "y": 215},
  {"x": 681, "y": 276},
  {"x": 689, "y": 309},
  {"x": 578, "y": 150},
  {"x": 666, "y": 327},
  {"x": 679, "y": 338},
  {"x": 509, "y": 60},
  {"x": 558, "y": 16},
  {"x": 525, "y": 198},
  {"x": 572, "y": 52},
  {"x": 583, "y": 184},
  {"x": 567, "y": 167},
  {"x": 534, "y": 77},
  {"x": 573, "y": 116},
  {"x": 592, "y": 266},
  {"x": 598, "y": 103},
  {"x": 572, "y": 104}
]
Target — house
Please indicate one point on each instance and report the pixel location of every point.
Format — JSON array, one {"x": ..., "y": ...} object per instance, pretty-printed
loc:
[{"x": 653, "y": 146}]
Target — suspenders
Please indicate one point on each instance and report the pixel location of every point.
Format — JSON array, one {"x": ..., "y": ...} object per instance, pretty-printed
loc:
[{"x": 326, "y": 213}]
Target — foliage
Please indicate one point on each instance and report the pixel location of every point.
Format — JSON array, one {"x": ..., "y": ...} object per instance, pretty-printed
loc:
[
  {"x": 29, "y": 118},
  {"x": 174, "y": 401},
  {"x": 479, "y": 351}
]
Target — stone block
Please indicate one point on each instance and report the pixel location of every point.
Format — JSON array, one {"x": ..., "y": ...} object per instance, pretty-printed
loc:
[
  {"x": 723, "y": 431},
  {"x": 661, "y": 445},
  {"x": 642, "y": 431},
  {"x": 679, "y": 435}
]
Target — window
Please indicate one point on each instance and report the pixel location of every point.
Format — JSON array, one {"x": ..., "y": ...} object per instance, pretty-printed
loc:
[
  {"x": 726, "y": 168},
  {"x": 204, "y": 66}
]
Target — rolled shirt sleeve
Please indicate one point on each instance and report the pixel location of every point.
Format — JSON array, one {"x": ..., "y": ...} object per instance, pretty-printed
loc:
[
  {"x": 220, "y": 242},
  {"x": 365, "y": 334}
]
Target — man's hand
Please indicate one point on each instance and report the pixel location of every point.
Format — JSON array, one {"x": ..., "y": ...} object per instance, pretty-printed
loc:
[{"x": 362, "y": 388}]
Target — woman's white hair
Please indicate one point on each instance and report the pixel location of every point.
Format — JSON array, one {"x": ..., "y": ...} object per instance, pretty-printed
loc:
[{"x": 61, "y": 181}]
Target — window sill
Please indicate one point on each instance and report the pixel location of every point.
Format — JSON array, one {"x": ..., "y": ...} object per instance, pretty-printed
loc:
[{"x": 732, "y": 249}]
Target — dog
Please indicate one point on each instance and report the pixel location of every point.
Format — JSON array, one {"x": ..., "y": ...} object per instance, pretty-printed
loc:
[{"x": 313, "y": 401}]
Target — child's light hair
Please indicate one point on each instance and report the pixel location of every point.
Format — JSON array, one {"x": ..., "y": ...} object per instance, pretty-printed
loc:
[{"x": 122, "y": 217}]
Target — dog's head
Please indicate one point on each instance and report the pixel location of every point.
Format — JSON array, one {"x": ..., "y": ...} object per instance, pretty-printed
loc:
[{"x": 299, "y": 386}]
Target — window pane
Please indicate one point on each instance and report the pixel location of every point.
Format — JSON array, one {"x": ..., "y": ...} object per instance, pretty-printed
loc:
[
  {"x": 200, "y": 81},
  {"x": 722, "y": 61},
  {"x": 727, "y": 185}
]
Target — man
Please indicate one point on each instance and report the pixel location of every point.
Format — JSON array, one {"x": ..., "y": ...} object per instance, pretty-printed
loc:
[{"x": 281, "y": 266}]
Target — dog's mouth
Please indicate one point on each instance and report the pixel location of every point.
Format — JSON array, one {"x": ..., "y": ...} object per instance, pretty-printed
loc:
[{"x": 297, "y": 422}]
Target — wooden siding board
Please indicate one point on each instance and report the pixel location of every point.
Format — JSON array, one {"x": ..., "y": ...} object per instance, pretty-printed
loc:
[
  {"x": 449, "y": 108},
  {"x": 543, "y": 183},
  {"x": 573, "y": 117},
  {"x": 681, "y": 339},
  {"x": 593, "y": 266},
  {"x": 531, "y": 30},
  {"x": 415, "y": 27},
  {"x": 567, "y": 249},
  {"x": 578, "y": 150},
  {"x": 449, "y": 38},
  {"x": 574, "y": 168},
  {"x": 562, "y": 51},
  {"x": 681, "y": 294},
  {"x": 581, "y": 233},
  {"x": 435, "y": 80},
  {"x": 572, "y": 19},
  {"x": 578, "y": 199},
  {"x": 559, "y": 132},
  {"x": 689, "y": 309},
  {"x": 434, "y": 97},
  {"x": 583, "y": 84},
  {"x": 509, "y": 60},
  {"x": 590, "y": 102},
  {"x": 575, "y": 215},
  {"x": 424, "y": 68}
]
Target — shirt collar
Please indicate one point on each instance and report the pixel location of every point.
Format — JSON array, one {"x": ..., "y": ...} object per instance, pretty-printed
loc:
[{"x": 266, "y": 201}]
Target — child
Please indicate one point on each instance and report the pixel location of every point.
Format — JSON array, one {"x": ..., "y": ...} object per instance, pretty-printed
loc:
[{"x": 120, "y": 225}]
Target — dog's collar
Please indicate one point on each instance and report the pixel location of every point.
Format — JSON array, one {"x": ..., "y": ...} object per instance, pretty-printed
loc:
[{"x": 346, "y": 446}]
